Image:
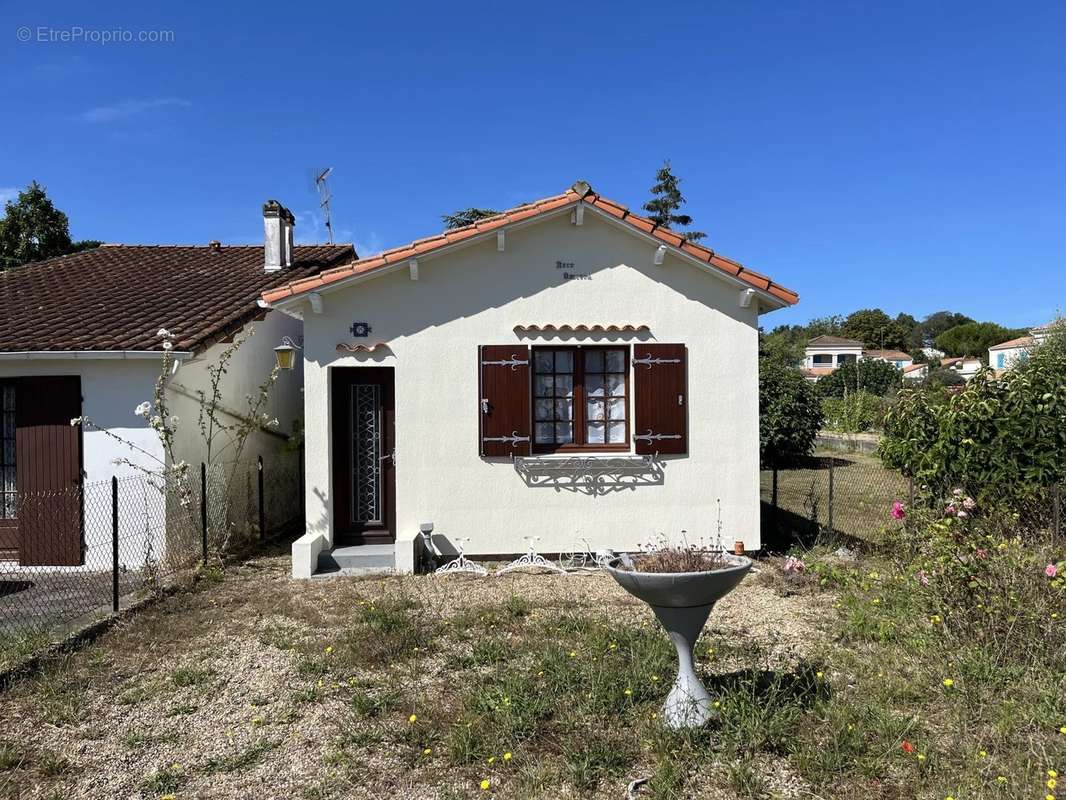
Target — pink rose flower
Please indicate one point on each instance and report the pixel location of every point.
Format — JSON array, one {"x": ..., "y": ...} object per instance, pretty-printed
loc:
[
  {"x": 1051, "y": 570},
  {"x": 898, "y": 511},
  {"x": 950, "y": 511}
]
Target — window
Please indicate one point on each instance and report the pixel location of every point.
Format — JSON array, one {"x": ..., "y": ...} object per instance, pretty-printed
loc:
[
  {"x": 823, "y": 360},
  {"x": 580, "y": 398},
  {"x": 1001, "y": 360},
  {"x": 9, "y": 495}
]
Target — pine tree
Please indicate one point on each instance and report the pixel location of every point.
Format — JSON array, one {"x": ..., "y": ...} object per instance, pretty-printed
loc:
[
  {"x": 665, "y": 202},
  {"x": 468, "y": 216}
]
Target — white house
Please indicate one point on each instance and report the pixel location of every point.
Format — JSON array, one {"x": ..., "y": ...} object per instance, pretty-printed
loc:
[
  {"x": 896, "y": 358},
  {"x": 565, "y": 370},
  {"x": 916, "y": 372},
  {"x": 78, "y": 338},
  {"x": 965, "y": 366},
  {"x": 824, "y": 354},
  {"x": 1007, "y": 354}
]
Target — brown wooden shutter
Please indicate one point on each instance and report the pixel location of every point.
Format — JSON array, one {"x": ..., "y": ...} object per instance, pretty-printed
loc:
[
  {"x": 48, "y": 458},
  {"x": 660, "y": 399},
  {"x": 503, "y": 399}
]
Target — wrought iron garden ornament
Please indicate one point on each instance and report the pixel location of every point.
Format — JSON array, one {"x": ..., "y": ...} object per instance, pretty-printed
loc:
[
  {"x": 461, "y": 563},
  {"x": 585, "y": 560},
  {"x": 531, "y": 559}
]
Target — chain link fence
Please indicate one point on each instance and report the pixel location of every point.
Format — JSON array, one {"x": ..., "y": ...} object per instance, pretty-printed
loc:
[
  {"x": 848, "y": 498},
  {"x": 89, "y": 552}
]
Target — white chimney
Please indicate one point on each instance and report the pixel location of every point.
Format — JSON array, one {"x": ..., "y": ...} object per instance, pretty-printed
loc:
[{"x": 278, "y": 225}]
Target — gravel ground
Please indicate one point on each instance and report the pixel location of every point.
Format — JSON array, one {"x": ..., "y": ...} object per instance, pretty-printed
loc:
[{"x": 203, "y": 686}]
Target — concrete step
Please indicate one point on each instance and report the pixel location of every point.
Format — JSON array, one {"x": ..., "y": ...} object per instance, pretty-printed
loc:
[{"x": 357, "y": 559}]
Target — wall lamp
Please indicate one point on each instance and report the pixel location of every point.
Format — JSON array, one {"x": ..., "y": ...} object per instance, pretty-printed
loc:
[{"x": 285, "y": 353}]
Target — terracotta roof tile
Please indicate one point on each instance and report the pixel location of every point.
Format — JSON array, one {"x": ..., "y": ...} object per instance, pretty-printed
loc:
[
  {"x": 116, "y": 297},
  {"x": 523, "y": 212}
]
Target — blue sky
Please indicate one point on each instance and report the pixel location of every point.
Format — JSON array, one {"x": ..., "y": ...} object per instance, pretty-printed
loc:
[{"x": 903, "y": 155}]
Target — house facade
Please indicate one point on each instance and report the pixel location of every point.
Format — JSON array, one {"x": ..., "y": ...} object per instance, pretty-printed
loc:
[
  {"x": 558, "y": 371},
  {"x": 1007, "y": 354},
  {"x": 79, "y": 339},
  {"x": 896, "y": 358},
  {"x": 825, "y": 354}
]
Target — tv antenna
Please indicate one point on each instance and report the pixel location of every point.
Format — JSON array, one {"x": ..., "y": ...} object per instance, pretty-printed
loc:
[{"x": 321, "y": 177}]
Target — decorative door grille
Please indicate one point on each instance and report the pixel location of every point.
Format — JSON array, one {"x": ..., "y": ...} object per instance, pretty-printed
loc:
[{"x": 366, "y": 454}]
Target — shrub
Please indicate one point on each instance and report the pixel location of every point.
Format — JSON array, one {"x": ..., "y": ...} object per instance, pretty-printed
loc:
[
  {"x": 855, "y": 412},
  {"x": 1004, "y": 437},
  {"x": 876, "y": 377},
  {"x": 789, "y": 414}
]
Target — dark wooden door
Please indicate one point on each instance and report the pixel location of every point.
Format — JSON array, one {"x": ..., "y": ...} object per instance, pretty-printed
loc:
[
  {"x": 364, "y": 455},
  {"x": 49, "y": 463}
]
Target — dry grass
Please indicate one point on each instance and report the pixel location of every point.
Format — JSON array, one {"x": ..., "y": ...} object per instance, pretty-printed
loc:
[{"x": 261, "y": 686}]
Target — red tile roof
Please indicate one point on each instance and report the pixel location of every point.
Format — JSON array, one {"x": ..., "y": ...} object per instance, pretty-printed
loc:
[
  {"x": 1022, "y": 341},
  {"x": 579, "y": 191},
  {"x": 832, "y": 341},
  {"x": 889, "y": 355},
  {"x": 116, "y": 297}
]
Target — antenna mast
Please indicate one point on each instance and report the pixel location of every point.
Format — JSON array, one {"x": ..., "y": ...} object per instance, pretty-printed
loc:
[{"x": 324, "y": 197}]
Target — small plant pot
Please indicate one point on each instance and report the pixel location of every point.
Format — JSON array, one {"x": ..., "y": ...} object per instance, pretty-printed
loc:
[{"x": 682, "y": 601}]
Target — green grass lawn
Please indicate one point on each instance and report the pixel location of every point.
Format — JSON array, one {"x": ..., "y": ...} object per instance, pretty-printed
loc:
[{"x": 837, "y": 683}]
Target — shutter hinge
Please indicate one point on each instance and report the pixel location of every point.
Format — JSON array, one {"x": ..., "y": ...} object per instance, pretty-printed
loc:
[
  {"x": 655, "y": 437},
  {"x": 513, "y": 439},
  {"x": 484, "y": 405},
  {"x": 647, "y": 361},
  {"x": 514, "y": 362}
]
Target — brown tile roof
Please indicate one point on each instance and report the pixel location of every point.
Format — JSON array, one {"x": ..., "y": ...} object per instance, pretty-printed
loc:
[
  {"x": 117, "y": 297},
  {"x": 579, "y": 191},
  {"x": 914, "y": 367},
  {"x": 1022, "y": 341},
  {"x": 889, "y": 355},
  {"x": 832, "y": 341}
]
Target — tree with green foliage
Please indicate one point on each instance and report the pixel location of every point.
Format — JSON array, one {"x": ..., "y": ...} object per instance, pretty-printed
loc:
[
  {"x": 875, "y": 329},
  {"x": 666, "y": 200},
  {"x": 876, "y": 377},
  {"x": 468, "y": 216},
  {"x": 790, "y": 414},
  {"x": 974, "y": 338},
  {"x": 938, "y": 322},
  {"x": 33, "y": 229}
]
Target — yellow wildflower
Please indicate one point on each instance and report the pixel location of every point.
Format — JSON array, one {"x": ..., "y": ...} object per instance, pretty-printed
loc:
[
  {"x": 492, "y": 760},
  {"x": 921, "y": 756},
  {"x": 983, "y": 754},
  {"x": 485, "y": 785},
  {"x": 428, "y": 751},
  {"x": 1001, "y": 779},
  {"x": 948, "y": 683},
  {"x": 329, "y": 649},
  {"x": 1062, "y": 730},
  {"x": 1052, "y": 783},
  {"x": 1052, "y": 774},
  {"x": 507, "y": 756},
  {"x": 628, "y": 692},
  {"x": 612, "y": 646},
  {"x": 413, "y": 718},
  {"x": 936, "y": 619},
  {"x": 573, "y": 653}
]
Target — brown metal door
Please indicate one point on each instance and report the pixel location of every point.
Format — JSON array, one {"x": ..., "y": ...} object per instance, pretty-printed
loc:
[
  {"x": 48, "y": 458},
  {"x": 364, "y": 448}
]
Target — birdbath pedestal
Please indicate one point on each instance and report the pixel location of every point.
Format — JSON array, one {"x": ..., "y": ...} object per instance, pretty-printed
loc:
[{"x": 682, "y": 601}]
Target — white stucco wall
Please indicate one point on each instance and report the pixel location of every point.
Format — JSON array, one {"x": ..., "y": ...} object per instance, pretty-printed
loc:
[
  {"x": 111, "y": 389},
  {"x": 476, "y": 296}
]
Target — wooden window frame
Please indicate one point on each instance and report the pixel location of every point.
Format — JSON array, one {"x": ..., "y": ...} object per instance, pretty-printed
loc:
[
  {"x": 580, "y": 402},
  {"x": 4, "y": 383}
]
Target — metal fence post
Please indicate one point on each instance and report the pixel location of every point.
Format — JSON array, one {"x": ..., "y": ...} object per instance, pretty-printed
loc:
[
  {"x": 114, "y": 544},
  {"x": 831, "y": 487},
  {"x": 262, "y": 501},
  {"x": 203, "y": 507}
]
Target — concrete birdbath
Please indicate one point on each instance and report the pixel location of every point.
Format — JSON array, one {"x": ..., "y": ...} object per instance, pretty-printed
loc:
[{"x": 682, "y": 601}]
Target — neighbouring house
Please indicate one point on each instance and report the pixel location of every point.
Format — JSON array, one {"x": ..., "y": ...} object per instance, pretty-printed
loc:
[
  {"x": 916, "y": 372},
  {"x": 965, "y": 366},
  {"x": 896, "y": 358},
  {"x": 78, "y": 338},
  {"x": 824, "y": 354},
  {"x": 1006, "y": 354},
  {"x": 565, "y": 370}
]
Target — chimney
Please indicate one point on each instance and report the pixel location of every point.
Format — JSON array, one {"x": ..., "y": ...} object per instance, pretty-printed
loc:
[{"x": 278, "y": 224}]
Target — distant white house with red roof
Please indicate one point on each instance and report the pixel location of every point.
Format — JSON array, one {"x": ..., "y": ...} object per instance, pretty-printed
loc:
[
  {"x": 825, "y": 354},
  {"x": 1006, "y": 354}
]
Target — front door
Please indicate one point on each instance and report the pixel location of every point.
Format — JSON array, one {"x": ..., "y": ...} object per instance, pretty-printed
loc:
[{"x": 364, "y": 469}]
